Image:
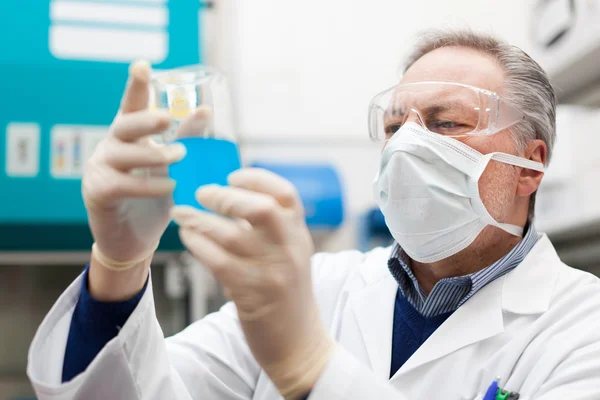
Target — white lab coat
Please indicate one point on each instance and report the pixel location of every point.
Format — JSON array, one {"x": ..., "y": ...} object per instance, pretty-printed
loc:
[{"x": 538, "y": 328}]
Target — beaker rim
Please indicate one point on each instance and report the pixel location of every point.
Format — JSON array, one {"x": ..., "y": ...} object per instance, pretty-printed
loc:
[{"x": 198, "y": 74}]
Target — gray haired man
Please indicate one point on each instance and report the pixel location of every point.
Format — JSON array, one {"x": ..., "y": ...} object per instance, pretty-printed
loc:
[{"x": 469, "y": 292}]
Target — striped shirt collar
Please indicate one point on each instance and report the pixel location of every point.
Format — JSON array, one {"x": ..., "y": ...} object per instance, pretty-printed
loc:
[{"x": 450, "y": 293}]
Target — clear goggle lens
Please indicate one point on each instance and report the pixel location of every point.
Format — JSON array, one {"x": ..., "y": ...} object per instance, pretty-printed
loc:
[{"x": 448, "y": 109}]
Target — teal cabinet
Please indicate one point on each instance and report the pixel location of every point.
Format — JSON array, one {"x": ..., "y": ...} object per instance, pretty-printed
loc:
[{"x": 63, "y": 66}]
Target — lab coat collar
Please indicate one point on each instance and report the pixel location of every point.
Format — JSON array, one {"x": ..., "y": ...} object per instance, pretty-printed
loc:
[
  {"x": 373, "y": 308},
  {"x": 525, "y": 290},
  {"x": 370, "y": 299},
  {"x": 528, "y": 288},
  {"x": 375, "y": 265}
]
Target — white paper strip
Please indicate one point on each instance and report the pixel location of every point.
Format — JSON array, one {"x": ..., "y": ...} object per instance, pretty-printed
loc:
[
  {"x": 121, "y": 45},
  {"x": 155, "y": 16}
]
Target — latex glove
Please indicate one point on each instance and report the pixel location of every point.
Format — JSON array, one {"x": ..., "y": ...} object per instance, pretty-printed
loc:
[
  {"x": 262, "y": 258},
  {"x": 125, "y": 186}
]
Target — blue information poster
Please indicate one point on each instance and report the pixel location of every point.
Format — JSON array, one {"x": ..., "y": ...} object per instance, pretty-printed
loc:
[{"x": 63, "y": 67}]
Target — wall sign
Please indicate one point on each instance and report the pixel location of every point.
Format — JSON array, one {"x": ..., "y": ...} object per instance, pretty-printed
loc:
[{"x": 22, "y": 150}]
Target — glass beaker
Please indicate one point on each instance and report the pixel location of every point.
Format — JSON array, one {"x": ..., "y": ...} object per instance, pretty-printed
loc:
[{"x": 198, "y": 99}]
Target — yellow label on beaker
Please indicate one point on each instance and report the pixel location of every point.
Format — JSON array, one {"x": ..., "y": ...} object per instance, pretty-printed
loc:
[{"x": 179, "y": 106}]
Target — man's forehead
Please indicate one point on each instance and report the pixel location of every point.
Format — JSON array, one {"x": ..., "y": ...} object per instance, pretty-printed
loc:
[{"x": 457, "y": 64}]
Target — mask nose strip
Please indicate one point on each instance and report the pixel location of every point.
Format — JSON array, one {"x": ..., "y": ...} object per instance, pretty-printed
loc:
[{"x": 418, "y": 118}]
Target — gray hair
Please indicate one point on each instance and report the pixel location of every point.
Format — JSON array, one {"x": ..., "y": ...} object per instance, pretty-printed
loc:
[{"x": 527, "y": 87}]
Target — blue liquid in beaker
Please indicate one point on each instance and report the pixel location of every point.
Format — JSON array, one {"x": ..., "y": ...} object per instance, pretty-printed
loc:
[{"x": 207, "y": 161}]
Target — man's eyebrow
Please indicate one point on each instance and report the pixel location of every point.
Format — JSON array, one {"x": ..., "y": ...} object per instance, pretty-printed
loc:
[
  {"x": 439, "y": 108},
  {"x": 436, "y": 109}
]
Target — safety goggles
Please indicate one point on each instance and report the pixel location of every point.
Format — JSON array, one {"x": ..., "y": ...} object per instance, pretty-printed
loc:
[{"x": 449, "y": 109}]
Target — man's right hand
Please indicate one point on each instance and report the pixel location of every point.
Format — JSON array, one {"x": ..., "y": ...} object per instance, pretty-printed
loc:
[{"x": 127, "y": 192}]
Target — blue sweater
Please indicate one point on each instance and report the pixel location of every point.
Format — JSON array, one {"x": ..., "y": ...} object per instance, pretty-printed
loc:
[
  {"x": 94, "y": 324},
  {"x": 411, "y": 330}
]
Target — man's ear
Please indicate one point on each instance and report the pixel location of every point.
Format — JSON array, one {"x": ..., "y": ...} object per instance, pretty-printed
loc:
[{"x": 529, "y": 180}]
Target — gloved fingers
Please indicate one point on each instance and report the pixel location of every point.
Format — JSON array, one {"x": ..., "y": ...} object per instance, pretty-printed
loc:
[
  {"x": 222, "y": 264},
  {"x": 124, "y": 156},
  {"x": 228, "y": 233},
  {"x": 263, "y": 181},
  {"x": 196, "y": 123},
  {"x": 140, "y": 124},
  {"x": 117, "y": 185},
  {"x": 137, "y": 92},
  {"x": 259, "y": 209}
]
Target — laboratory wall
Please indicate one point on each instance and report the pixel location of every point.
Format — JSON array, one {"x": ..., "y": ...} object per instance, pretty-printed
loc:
[{"x": 306, "y": 70}]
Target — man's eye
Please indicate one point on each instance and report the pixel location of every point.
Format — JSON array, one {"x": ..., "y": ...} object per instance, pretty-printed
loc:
[
  {"x": 448, "y": 127},
  {"x": 445, "y": 124},
  {"x": 391, "y": 129}
]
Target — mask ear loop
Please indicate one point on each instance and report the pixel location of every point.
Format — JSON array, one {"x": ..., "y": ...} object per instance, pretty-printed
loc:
[
  {"x": 477, "y": 203},
  {"x": 518, "y": 161}
]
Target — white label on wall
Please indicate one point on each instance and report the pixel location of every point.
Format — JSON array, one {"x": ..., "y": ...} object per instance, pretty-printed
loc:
[
  {"x": 71, "y": 146},
  {"x": 114, "y": 32},
  {"x": 22, "y": 149}
]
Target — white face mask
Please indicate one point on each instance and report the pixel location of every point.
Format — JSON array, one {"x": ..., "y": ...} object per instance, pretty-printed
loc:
[{"x": 427, "y": 189}]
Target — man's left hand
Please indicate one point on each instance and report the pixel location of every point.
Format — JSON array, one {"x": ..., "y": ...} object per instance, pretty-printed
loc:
[{"x": 259, "y": 248}]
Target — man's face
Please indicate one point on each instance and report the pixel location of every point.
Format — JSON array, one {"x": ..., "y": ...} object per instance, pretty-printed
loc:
[{"x": 498, "y": 184}]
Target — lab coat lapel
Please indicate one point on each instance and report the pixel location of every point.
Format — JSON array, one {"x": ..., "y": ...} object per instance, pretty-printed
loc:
[
  {"x": 373, "y": 308},
  {"x": 478, "y": 319},
  {"x": 528, "y": 288},
  {"x": 525, "y": 290}
]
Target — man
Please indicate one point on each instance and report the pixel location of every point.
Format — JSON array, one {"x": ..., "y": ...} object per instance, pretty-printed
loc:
[{"x": 469, "y": 292}]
